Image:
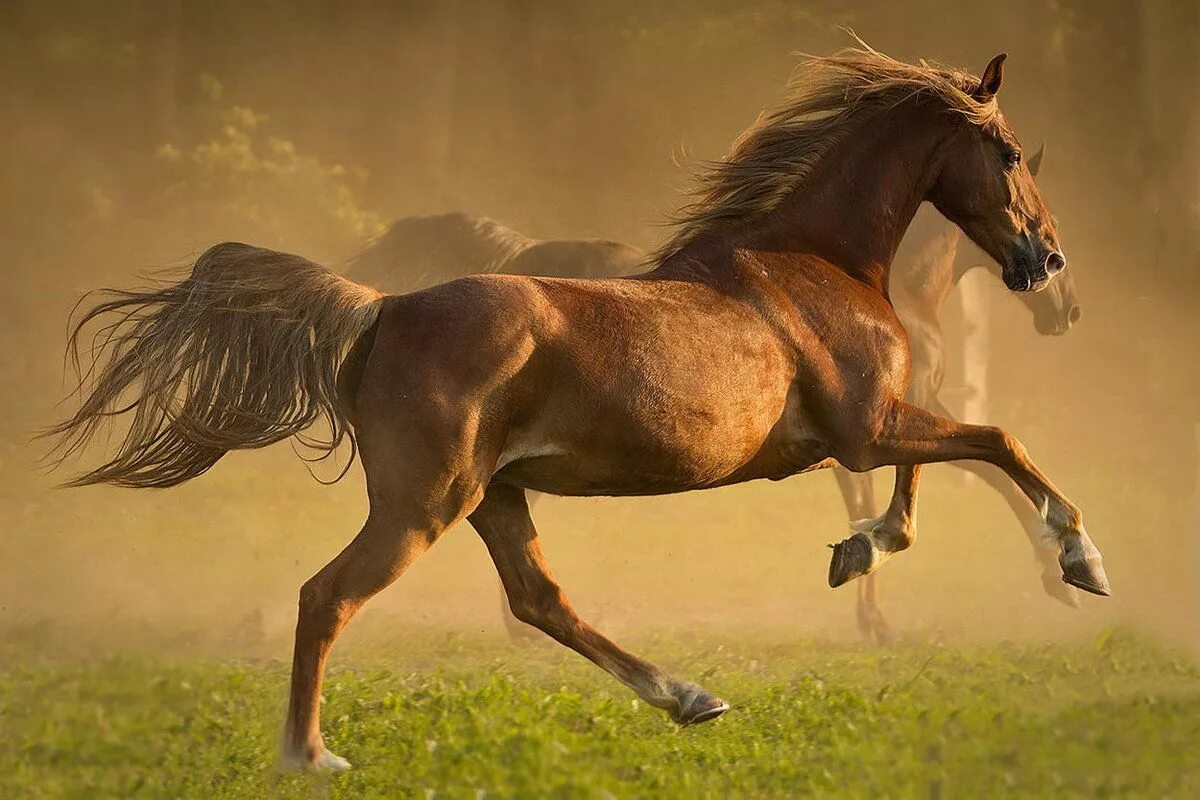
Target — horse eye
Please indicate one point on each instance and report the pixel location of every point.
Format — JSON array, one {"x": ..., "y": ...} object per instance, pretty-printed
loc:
[{"x": 1013, "y": 157}]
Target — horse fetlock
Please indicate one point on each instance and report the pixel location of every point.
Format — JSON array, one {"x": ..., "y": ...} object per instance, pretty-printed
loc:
[
  {"x": 889, "y": 534},
  {"x": 1060, "y": 520}
]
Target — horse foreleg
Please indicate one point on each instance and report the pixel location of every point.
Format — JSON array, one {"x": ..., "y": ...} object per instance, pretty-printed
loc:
[
  {"x": 915, "y": 436},
  {"x": 876, "y": 539},
  {"x": 1044, "y": 551},
  {"x": 858, "y": 493},
  {"x": 503, "y": 522}
]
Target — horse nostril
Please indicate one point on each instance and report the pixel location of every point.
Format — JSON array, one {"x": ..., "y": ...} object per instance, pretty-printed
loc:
[
  {"x": 1074, "y": 314},
  {"x": 1055, "y": 263}
]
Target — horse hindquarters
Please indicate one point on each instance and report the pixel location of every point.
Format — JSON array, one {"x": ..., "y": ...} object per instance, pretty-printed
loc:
[{"x": 426, "y": 469}]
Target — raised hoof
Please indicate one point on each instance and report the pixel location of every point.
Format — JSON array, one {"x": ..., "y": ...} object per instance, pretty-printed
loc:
[
  {"x": 851, "y": 558},
  {"x": 325, "y": 761},
  {"x": 697, "y": 705},
  {"x": 1086, "y": 574}
]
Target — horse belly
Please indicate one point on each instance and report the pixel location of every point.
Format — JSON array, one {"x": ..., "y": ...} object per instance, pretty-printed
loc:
[
  {"x": 631, "y": 454},
  {"x": 690, "y": 448}
]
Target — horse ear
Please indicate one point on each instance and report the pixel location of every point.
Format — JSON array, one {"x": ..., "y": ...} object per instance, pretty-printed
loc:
[
  {"x": 993, "y": 76},
  {"x": 1034, "y": 162}
]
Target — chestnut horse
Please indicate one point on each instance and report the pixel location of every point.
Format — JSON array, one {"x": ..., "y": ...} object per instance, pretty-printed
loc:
[
  {"x": 932, "y": 258},
  {"x": 761, "y": 345}
]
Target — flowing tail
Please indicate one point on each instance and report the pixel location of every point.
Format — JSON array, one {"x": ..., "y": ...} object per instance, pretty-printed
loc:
[{"x": 243, "y": 353}]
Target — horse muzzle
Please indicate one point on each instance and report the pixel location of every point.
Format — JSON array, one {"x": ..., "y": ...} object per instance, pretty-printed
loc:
[{"x": 1027, "y": 274}]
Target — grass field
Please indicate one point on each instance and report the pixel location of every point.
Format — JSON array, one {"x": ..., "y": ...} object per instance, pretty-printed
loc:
[{"x": 477, "y": 716}]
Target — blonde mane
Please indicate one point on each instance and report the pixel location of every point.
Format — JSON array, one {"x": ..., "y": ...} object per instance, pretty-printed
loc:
[{"x": 776, "y": 154}]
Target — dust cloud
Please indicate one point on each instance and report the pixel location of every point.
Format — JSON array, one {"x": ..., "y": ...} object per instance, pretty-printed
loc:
[{"x": 137, "y": 133}]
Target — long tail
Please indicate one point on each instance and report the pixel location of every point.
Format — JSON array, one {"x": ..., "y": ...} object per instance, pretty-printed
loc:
[{"x": 242, "y": 353}]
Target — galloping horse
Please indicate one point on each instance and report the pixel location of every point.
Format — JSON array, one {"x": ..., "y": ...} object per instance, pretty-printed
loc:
[
  {"x": 761, "y": 345},
  {"x": 929, "y": 263}
]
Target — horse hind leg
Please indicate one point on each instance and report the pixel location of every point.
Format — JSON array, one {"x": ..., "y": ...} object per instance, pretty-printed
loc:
[
  {"x": 502, "y": 521},
  {"x": 398, "y": 530},
  {"x": 516, "y": 630}
]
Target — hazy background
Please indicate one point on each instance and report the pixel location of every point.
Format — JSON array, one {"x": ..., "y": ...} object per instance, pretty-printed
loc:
[{"x": 137, "y": 133}]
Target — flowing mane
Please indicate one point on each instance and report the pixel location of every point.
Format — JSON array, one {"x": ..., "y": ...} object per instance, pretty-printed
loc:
[{"x": 776, "y": 154}]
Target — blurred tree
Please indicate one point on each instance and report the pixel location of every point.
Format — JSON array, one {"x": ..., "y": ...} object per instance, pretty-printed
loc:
[{"x": 231, "y": 178}]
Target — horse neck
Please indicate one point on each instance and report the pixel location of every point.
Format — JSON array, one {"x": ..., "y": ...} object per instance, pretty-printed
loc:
[{"x": 860, "y": 197}]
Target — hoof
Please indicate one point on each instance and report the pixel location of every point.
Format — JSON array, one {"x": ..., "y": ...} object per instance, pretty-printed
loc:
[
  {"x": 852, "y": 558},
  {"x": 1087, "y": 575},
  {"x": 697, "y": 705},
  {"x": 1083, "y": 569},
  {"x": 324, "y": 761}
]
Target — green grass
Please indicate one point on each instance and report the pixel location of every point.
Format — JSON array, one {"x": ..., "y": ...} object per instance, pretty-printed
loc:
[{"x": 478, "y": 717}]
